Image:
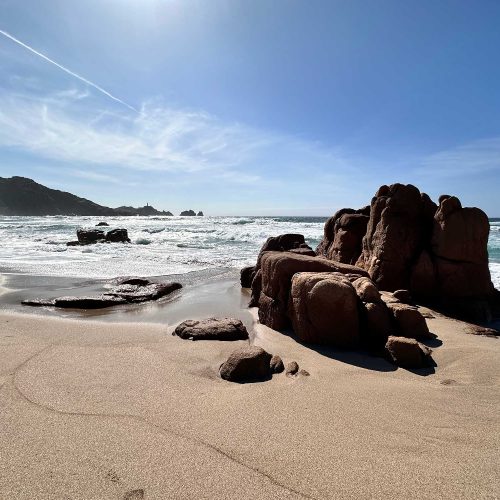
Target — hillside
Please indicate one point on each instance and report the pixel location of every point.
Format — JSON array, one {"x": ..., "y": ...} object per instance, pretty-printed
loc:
[{"x": 23, "y": 196}]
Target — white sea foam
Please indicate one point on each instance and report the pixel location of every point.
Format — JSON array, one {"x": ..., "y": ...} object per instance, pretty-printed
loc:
[{"x": 160, "y": 245}]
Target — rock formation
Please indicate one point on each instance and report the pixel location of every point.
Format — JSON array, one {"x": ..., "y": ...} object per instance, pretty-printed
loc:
[
  {"x": 437, "y": 253},
  {"x": 128, "y": 291},
  {"x": 91, "y": 236},
  {"x": 188, "y": 213}
]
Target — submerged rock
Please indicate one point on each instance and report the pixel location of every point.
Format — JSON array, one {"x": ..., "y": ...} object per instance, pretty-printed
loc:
[
  {"x": 212, "y": 329},
  {"x": 118, "y": 236},
  {"x": 102, "y": 224},
  {"x": 90, "y": 236},
  {"x": 247, "y": 364},
  {"x": 121, "y": 294}
]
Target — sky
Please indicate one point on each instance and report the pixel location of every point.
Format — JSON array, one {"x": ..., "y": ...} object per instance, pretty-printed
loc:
[{"x": 252, "y": 107}]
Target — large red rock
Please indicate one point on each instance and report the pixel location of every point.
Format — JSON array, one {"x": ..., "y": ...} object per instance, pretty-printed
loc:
[
  {"x": 324, "y": 309},
  {"x": 408, "y": 353},
  {"x": 277, "y": 270},
  {"x": 459, "y": 244},
  {"x": 400, "y": 223}
]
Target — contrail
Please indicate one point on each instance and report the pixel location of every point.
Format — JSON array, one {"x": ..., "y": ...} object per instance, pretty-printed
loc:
[{"x": 66, "y": 70}]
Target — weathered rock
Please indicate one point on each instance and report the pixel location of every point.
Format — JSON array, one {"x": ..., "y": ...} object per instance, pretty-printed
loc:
[
  {"x": 403, "y": 296},
  {"x": 324, "y": 309},
  {"x": 256, "y": 289},
  {"x": 343, "y": 235},
  {"x": 408, "y": 353},
  {"x": 366, "y": 290},
  {"x": 212, "y": 329},
  {"x": 247, "y": 364},
  {"x": 118, "y": 236},
  {"x": 409, "y": 322},
  {"x": 102, "y": 224},
  {"x": 459, "y": 244},
  {"x": 398, "y": 228},
  {"x": 278, "y": 269},
  {"x": 276, "y": 364},
  {"x": 89, "y": 236},
  {"x": 188, "y": 213},
  {"x": 99, "y": 302},
  {"x": 139, "y": 293},
  {"x": 121, "y": 294},
  {"x": 246, "y": 276},
  {"x": 376, "y": 324},
  {"x": 292, "y": 368}
]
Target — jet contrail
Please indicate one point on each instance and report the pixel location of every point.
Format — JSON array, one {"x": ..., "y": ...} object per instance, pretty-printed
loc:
[{"x": 66, "y": 70}]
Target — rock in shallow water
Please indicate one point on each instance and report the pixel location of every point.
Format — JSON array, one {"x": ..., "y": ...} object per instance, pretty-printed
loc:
[
  {"x": 212, "y": 329},
  {"x": 246, "y": 365}
]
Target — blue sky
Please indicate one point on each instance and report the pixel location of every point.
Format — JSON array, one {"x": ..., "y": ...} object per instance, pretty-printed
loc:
[{"x": 252, "y": 106}]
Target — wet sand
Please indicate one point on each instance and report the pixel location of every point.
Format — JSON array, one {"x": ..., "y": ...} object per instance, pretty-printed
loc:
[{"x": 94, "y": 409}]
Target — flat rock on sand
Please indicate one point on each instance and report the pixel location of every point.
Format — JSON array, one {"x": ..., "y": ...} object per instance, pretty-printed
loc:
[{"x": 212, "y": 329}]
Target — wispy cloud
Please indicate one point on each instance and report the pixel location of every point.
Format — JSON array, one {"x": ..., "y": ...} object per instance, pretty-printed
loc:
[
  {"x": 469, "y": 159},
  {"x": 66, "y": 70},
  {"x": 158, "y": 139}
]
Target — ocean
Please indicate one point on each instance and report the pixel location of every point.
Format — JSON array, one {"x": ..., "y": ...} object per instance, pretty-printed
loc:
[{"x": 159, "y": 245}]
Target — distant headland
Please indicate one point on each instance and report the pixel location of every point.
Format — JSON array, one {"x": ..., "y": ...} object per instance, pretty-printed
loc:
[{"x": 23, "y": 196}]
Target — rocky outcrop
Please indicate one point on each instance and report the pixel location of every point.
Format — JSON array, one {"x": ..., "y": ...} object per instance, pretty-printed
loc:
[
  {"x": 200, "y": 214},
  {"x": 188, "y": 213},
  {"x": 92, "y": 236},
  {"x": 123, "y": 293},
  {"x": 117, "y": 236},
  {"x": 343, "y": 235},
  {"x": 408, "y": 353},
  {"x": 212, "y": 329},
  {"x": 277, "y": 270},
  {"x": 324, "y": 309},
  {"x": 247, "y": 364}
]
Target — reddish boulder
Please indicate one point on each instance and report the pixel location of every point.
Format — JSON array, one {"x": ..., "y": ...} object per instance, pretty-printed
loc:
[
  {"x": 408, "y": 320},
  {"x": 246, "y": 365},
  {"x": 398, "y": 227},
  {"x": 278, "y": 269},
  {"x": 408, "y": 353},
  {"x": 324, "y": 309}
]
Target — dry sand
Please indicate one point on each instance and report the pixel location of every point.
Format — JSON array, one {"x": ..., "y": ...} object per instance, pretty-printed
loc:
[{"x": 93, "y": 410}]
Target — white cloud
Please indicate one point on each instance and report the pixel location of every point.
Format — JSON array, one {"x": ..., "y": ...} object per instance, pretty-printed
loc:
[
  {"x": 61, "y": 128},
  {"x": 469, "y": 159}
]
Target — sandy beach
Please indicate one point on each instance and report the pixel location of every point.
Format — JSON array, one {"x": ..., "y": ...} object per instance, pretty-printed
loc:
[{"x": 107, "y": 410}]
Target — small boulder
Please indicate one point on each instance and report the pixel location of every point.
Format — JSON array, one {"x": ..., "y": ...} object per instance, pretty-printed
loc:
[
  {"x": 408, "y": 353},
  {"x": 292, "y": 368},
  {"x": 409, "y": 322},
  {"x": 117, "y": 236},
  {"x": 89, "y": 236},
  {"x": 102, "y": 224},
  {"x": 212, "y": 329},
  {"x": 276, "y": 364},
  {"x": 246, "y": 276},
  {"x": 247, "y": 364}
]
